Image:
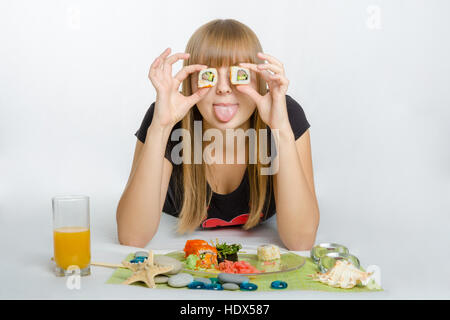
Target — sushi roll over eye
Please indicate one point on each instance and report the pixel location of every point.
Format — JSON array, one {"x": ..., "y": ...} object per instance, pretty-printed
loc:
[
  {"x": 207, "y": 78},
  {"x": 239, "y": 75}
]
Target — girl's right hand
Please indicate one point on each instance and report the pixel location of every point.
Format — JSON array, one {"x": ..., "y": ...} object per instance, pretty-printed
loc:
[{"x": 171, "y": 106}]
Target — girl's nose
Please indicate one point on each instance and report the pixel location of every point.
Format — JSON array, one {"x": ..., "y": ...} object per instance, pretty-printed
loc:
[{"x": 223, "y": 84}]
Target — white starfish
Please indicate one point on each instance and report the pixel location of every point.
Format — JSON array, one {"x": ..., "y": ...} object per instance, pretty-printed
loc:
[{"x": 145, "y": 271}]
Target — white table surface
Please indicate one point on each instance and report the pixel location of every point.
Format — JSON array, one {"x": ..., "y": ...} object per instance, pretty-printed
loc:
[{"x": 26, "y": 269}]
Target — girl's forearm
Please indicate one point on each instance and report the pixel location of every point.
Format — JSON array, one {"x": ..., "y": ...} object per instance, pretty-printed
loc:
[
  {"x": 139, "y": 209},
  {"x": 297, "y": 210}
]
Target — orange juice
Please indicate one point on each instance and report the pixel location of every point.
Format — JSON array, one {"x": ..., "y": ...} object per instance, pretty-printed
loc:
[{"x": 72, "y": 247}]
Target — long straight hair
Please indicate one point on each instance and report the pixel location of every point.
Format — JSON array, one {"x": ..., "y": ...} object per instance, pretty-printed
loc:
[{"x": 215, "y": 44}]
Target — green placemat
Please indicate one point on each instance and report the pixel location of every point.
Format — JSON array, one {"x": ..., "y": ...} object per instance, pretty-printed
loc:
[{"x": 296, "y": 279}]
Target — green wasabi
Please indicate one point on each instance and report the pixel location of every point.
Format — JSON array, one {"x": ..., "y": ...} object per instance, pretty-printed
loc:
[{"x": 191, "y": 261}]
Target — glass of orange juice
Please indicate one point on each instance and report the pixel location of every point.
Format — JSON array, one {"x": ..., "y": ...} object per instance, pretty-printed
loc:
[{"x": 71, "y": 234}]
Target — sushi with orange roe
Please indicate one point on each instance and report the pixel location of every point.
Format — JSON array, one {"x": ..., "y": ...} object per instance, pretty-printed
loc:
[{"x": 207, "y": 254}]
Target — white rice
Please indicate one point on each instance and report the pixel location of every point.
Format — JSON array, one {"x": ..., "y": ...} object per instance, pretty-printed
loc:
[{"x": 268, "y": 252}]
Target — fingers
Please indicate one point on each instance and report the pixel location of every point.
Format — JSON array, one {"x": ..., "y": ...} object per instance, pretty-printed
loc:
[
  {"x": 270, "y": 58},
  {"x": 154, "y": 72},
  {"x": 161, "y": 67},
  {"x": 252, "y": 93},
  {"x": 163, "y": 61},
  {"x": 197, "y": 96},
  {"x": 264, "y": 73},
  {"x": 184, "y": 72},
  {"x": 265, "y": 66},
  {"x": 168, "y": 62},
  {"x": 156, "y": 66},
  {"x": 175, "y": 57},
  {"x": 276, "y": 78},
  {"x": 165, "y": 54},
  {"x": 274, "y": 68}
]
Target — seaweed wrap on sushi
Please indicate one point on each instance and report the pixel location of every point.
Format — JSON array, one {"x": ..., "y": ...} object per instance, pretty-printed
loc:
[{"x": 227, "y": 252}]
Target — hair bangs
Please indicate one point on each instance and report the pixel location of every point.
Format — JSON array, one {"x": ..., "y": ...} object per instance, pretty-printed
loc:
[{"x": 224, "y": 43}]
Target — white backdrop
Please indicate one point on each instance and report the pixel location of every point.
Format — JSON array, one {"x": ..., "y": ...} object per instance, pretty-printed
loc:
[{"x": 372, "y": 77}]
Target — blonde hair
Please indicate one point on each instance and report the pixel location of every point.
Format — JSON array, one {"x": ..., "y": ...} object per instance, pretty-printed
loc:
[{"x": 215, "y": 44}]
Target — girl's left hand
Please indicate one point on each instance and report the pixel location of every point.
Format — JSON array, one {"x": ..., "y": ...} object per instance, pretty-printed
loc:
[{"x": 271, "y": 106}]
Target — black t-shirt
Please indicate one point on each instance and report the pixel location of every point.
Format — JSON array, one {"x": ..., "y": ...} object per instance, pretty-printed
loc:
[{"x": 225, "y": 209}]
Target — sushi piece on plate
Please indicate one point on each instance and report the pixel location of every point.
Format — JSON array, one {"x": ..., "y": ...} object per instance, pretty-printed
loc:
[
  {"x": 207, "y": 78},
  {"x": 206, "y": 253},
  {"x": 268, "y": 252},
  {"x": 227, "y": 252},
  {"x": 239, "y": 75},
  {"x": 198, "y": 247}
]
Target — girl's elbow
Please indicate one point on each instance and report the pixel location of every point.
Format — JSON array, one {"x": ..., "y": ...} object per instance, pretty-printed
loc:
[
  {"x": 133, "y": 241},
  {"x": 303, "y": 242},
  {"x": 301, "y": 245}
]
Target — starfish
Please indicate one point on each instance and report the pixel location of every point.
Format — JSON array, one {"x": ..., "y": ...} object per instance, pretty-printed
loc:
[{"x": 145, "y": 271}]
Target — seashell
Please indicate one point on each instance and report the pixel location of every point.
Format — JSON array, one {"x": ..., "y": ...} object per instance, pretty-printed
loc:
[{"x": 343, "y": 275}]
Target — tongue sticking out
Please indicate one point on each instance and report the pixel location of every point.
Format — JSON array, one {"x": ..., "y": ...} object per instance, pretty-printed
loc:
[{"x": 225, "y": 113}]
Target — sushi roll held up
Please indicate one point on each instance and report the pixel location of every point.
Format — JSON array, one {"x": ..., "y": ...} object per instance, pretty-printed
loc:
[
  {"x": 207, "y": 78},
  {"x": 239, "y": 75}
]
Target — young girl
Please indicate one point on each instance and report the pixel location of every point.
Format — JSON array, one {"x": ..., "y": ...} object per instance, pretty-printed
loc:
[{"x": 219, "y": 193}]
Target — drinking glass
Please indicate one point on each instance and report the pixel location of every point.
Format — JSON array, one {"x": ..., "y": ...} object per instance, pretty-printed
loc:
[{"x": 71, "y": 234}]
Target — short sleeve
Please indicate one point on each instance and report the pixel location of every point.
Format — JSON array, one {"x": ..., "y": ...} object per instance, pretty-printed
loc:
[
  {"x": 297, "y": 117},
  {"x": 141, "y": 133}
]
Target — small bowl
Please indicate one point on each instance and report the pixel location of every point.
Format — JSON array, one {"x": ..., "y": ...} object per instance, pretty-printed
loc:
[
  {"x": 329, "y": 260},
  {"x": 322, "y": 249}
]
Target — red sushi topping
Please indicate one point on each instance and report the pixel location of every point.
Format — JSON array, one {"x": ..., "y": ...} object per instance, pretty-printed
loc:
[{"x": 237, "y": 267}]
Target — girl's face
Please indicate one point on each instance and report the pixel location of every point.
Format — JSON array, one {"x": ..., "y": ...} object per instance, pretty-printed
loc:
[{"x": 224, "y": 107}]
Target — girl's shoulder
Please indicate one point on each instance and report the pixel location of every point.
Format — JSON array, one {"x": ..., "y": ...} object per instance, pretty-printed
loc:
[{"x": 297, "y": 117}]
